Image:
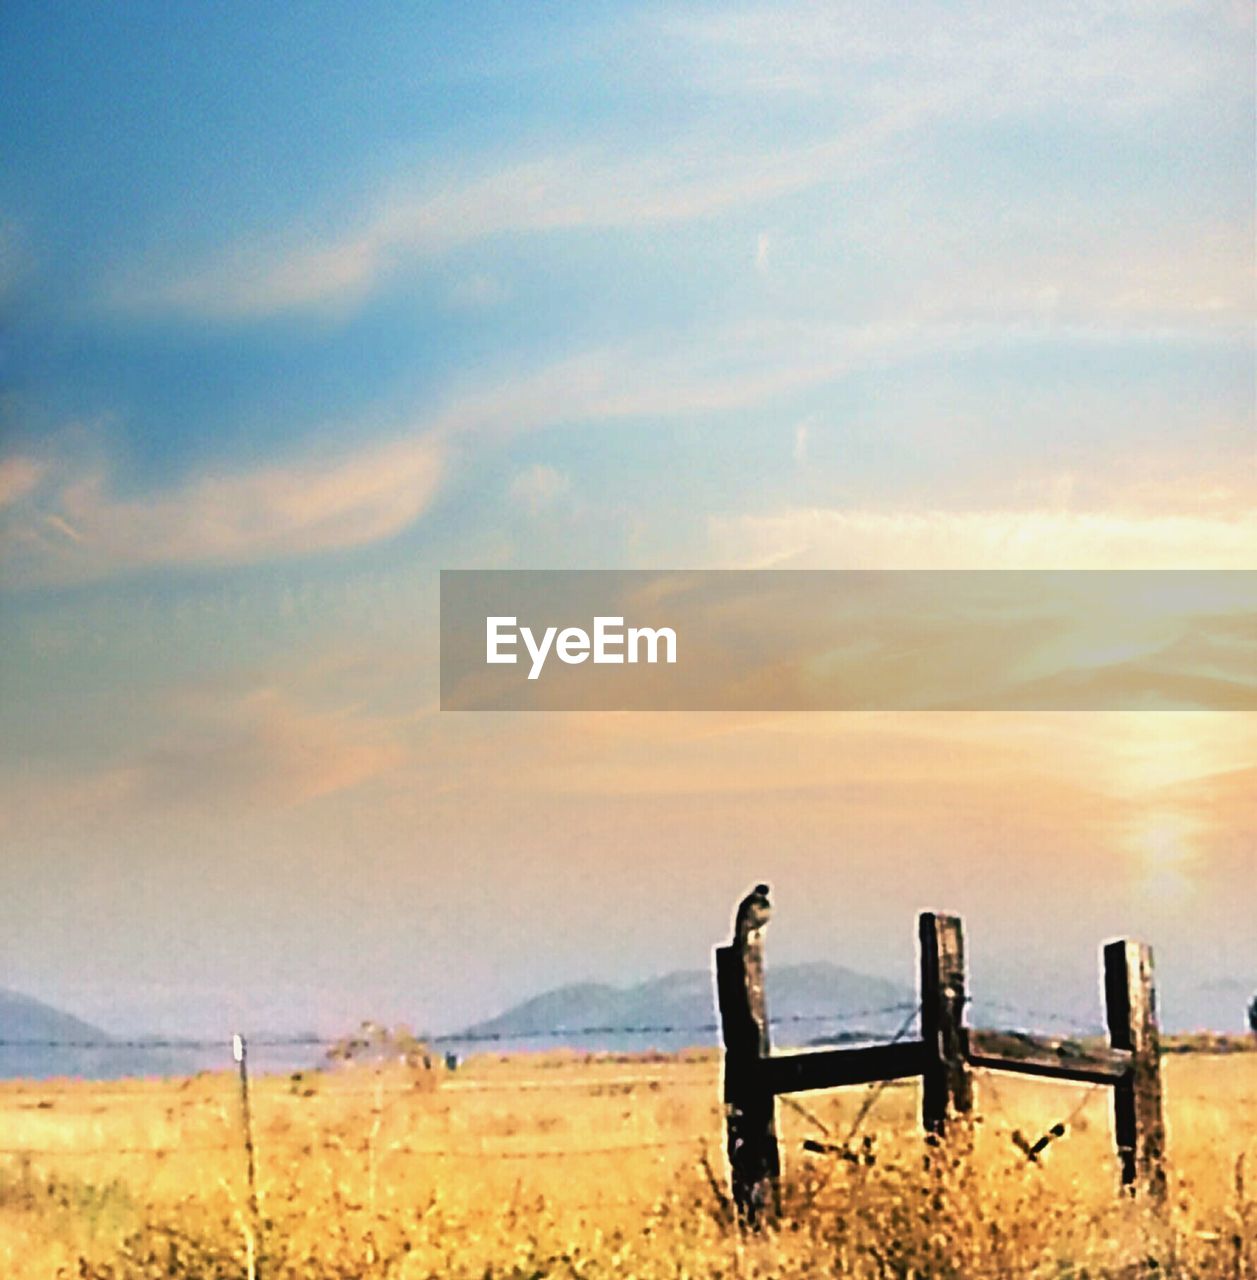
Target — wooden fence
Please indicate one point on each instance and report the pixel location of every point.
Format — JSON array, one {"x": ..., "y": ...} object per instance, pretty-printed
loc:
[{"x": 943, "y": 1057}]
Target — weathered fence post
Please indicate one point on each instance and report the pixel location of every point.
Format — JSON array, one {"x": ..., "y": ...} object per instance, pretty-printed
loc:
[
  {"x": 946, "y": 1083},
  {"x": 253, "y": 1228},
  {"x": 1131, "y": 1005},
  {"x": 240, "y": 1052},
  {"x": 750, "y": 1106}
]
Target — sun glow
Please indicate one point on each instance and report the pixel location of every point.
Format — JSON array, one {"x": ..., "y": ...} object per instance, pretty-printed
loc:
[{"x": 1164, "y": 766}]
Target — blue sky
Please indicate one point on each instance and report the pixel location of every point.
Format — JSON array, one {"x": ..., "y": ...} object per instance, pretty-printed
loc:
[{"x": 301, "y": 305}]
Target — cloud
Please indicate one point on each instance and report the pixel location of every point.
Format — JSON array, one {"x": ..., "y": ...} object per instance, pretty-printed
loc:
[
  {"x": 73, "y": 527},
  {"x": 828, "y": 538},
  {"x": 263, "y": 746},
  {"x": 77, "y": 530},
  {"x": 911, "y": 69},
  {"x": 260, "y": 747},
  {"x": 1194, "y": 278},
  {"x": 910, "y": 72},
  {"x": 65, "y": 521},
  {"x": 570, "y": 190},
  {"x": 1106, "y": 60}
]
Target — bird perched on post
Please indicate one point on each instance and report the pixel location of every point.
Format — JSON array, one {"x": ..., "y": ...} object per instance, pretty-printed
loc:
[{"x": 753, "y": 913}]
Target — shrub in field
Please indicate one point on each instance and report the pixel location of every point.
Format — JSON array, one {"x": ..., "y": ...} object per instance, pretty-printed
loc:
[{"x": 377, "y": 1046}]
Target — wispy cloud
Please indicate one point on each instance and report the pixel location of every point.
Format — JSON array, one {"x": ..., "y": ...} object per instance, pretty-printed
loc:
[
  {"x": 1110, "y": 59},
  {"x": 827, "y": 538},
  {"x": 66, "y": 523},
  {"x": 893, "y": 80},
  {"x": 76, "y": 529},
  {"x": 265, "y": 746},
  {"x": 1031, "y": 271},
  {"x": 72, "y": 526},
  {"x": 591, "y": 188}
]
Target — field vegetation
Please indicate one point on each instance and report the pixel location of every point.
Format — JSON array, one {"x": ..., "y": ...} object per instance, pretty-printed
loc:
[{"x": 570, "y": 1166}]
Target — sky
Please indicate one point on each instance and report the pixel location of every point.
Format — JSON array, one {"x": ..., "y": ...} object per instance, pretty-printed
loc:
[{"x": 300, "y": 305}]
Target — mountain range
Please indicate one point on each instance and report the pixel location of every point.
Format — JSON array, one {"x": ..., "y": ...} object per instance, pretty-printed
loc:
[{"x": 813, "y": 1003}]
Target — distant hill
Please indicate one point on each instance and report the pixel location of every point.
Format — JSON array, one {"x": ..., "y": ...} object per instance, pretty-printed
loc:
[
  {"x": 807, "y": 1002},
  {"x": 38, "y": 1042}
]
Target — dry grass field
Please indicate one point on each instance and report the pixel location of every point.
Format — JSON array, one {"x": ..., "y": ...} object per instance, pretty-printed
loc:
[{"x": 559, "y": 1165}]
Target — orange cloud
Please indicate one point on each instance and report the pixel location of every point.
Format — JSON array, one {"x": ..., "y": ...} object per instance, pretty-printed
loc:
[
  {"x": 265, "y": 747},
  {"x": 989, "y": 538}
]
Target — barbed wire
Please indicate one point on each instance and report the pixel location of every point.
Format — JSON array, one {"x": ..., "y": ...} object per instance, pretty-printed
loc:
[
  {"x": 182, "y": 1044},
  {"x": 308, "y": 1147},
  {"x": 542, "y": 1086},
  {"x": 188, "y": 1044},
  {"x": 871, "y": 1098},
  {"x": 174, "y": 1045},
  {"x": 1071, "y": 1019},
  {"x": 285, "y": 1143},
  {"x": 88, "y": 1097},
  {"x": 76, "y": 1153}
]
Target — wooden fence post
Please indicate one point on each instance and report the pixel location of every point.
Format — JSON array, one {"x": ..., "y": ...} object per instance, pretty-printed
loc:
[
  {"x": 240, "y": 1052},
  {"x": 750, "y": 1105},
  {"x": 946, "y": 1083},
  {"x": 1131, "y": 1005}
]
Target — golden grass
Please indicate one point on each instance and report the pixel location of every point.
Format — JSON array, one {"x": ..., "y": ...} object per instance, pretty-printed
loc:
[{"x": 562, "y": 1166}]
